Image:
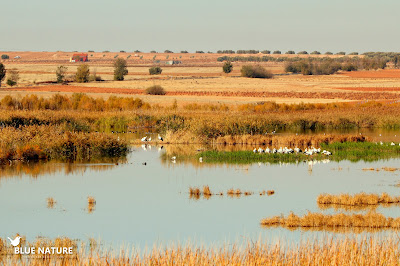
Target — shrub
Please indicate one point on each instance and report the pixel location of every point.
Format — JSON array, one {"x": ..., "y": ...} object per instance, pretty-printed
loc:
[
  {"x": 156, "y": 70},
  {"x": 184, "y": 52},
  {"x": 227, "y": 67},
  {"x": 290, "y": 52},
  {"x": 302, "y": 52},
  {"x": 91, "y": 51},
  {"x": 11, "y": 83},
  {"x": 168, "y": 52},
  {"x": 2, "y": 72},
  {"x": 82, "y": 73},
  {"x": 120, "y": 69},
  {"x": 315, "y": 52},
  {"x": 199, "y": 52},
  {"x": 256, "y": 71},
  {"x": 277, "y": 52},
  {"x": 353, "y": 53},
  {"x": 4, "y": 56},
  {"x": 329, "y": 53},
  {"x": 60, "y": 74},
  {"x": 266, "y": 52},
  {"x": 122, "y": 51},
  {"x": 341, "y": 53},
  {"x": 153, "y": 51},
  {"x": 155, "y": 90},
  {"x": 13, "y": 77}
]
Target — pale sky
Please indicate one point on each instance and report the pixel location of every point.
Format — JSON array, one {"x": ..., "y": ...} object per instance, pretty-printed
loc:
[{"x": 51, "y": 25}]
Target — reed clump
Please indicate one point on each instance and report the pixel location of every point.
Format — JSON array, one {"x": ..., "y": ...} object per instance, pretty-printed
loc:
[
  {"x": 234, "y": 193},
  {"x": 320, "y": 220},
  {"x": 51, "y": 202},
  {"x": 91, "y": 204},
  {"x": 357, "y": 199},
  {"x": 194, "y": 193},
  {"x": 51, "y": 142}
]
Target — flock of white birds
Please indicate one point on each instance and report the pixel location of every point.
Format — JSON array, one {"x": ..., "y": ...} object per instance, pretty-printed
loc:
[{"x": 285, "y": 150}]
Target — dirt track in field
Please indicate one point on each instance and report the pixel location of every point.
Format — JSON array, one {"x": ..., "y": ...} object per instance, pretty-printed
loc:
[{"x": 289, "y": 94}]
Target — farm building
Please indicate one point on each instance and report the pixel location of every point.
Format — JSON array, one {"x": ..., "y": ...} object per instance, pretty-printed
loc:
[{"x": 79, "y": 58}]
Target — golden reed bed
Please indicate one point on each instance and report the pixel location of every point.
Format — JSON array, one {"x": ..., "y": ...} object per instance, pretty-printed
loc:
[
  {"x": 357, "y": 199},
  {"x": 367, "y": 251},
  {"x": 371, "y": 220}
]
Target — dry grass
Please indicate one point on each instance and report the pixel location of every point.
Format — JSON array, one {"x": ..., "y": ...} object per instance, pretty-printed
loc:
[
  {"x": 329, "y": 251},
  {"x": 321, "y": 221},
  {"x": 357, "y": 199}
]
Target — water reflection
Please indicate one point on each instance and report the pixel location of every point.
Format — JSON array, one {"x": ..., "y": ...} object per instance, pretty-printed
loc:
[{"x": 147, "y": 204}]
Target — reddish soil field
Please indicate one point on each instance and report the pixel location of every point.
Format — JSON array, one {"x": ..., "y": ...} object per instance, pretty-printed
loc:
[
  {"x": 290, "y": 94},
  {"x": 386, "y": 73},
  {"x": 378, "y": 89}
]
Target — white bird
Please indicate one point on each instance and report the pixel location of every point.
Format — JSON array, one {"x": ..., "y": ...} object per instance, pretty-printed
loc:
[
  {"x": 173, "y": 158},
  {"x": 144, "y": 147},
  {"x": 267, "y": 150},
  {"x": 381, "y": 143},
  {"x": 15, "y": 242},
  {"x": 160, "y": 148},
  {"x": 392, "y": 144},
  {"x": 201, "y": 159},
  {"x": 149, "y": 139},
  {"x": 260, "y": 150},
  {"x": 255, "y": 150},
  {"x": 160, "y": 138},
  {"x": 144, "y": 139}
]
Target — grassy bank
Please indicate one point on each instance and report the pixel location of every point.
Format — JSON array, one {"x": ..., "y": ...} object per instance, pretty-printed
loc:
[
  {"x": 367, "y": 251},
  {"x": 193, "y": 122},
  {"x": 51, "y": 142},
  {"x": 353, "y": 151}
]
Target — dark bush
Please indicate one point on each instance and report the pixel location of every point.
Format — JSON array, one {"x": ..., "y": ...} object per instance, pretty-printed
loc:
[
  {"x": 315, "y": 52},
  {"x": 277, "y": 52},
  {"x": 266, "y": 52},
  {"x": 227, "y": 67},
  {"x": 199, "y": 52},
  {"x": 156, "y": 70},
  {"x": 184, "y": 52},
  {"x": 225, "y": 52},
  {"x": 353, "y": 53},
  {"x": 341, "y": 53},
  {"x": 2, "y": 72},
  {"x": 4, "y": 56},
  {"x": 60, "y": 73},
  {"x": 168, "y": 52},
  {"x": 257, "y": 71},
  {"x": 120, "y": 69},
  {"x": 329, "y": 53},
  {"x": 153, "y": 51},
  {"x": 155, "y": 90},
  {"x": 302, "y": 52},
  {"x": 290, "y": 52}
]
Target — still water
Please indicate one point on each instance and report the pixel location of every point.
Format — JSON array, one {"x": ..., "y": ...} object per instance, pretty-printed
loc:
[{"x": 145, "y": 205}]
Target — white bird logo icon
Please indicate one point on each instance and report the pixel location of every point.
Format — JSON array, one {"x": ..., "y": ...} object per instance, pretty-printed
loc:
[{"x": 15, "y": 242}]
